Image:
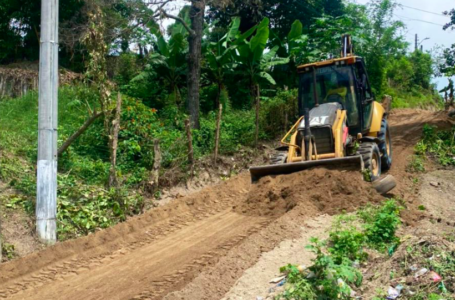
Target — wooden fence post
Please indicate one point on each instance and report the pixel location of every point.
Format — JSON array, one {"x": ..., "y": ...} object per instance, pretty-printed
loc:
[
  {"x": 155, "y": 176},
  {"x": 217, "y": 135},
  {"x": 190, "y": 144}
]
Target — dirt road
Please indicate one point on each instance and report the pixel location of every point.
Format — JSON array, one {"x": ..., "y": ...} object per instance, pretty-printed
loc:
[{"x": 217, "y": 233}]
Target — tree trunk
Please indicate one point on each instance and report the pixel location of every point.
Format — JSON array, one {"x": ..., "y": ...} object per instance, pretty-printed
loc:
[
  {"x": 257, "y": 96},
  {"x": 1, "y": 243},
  {"x": 197, "y": 12},
  {"x": 286, "y": 122},
  {"x": 217, "y": 135},
  {"x": 218, "y": 97},
  {"x": 155, "y": 176},
  {"x": 78, "y": 133},
  {"x": 190, "y": 144},
  {"x": 113, "y": 139}
]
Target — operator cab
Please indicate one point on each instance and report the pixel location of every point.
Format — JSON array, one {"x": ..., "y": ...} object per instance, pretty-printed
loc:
[{"x": 342, "y": 81}]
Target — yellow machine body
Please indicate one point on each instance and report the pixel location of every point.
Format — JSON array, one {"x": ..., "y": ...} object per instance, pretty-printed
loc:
[{"x": 339, "y": 90}]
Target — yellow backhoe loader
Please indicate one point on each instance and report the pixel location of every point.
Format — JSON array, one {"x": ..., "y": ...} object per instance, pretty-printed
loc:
[{"x": 341, "y": 124}]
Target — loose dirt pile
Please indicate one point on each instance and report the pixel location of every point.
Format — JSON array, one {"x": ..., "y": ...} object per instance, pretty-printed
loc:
[{"x": 314, "y": 191}]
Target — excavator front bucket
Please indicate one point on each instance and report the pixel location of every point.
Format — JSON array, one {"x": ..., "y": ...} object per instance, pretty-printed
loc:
[{"x": 345, "y": 163}]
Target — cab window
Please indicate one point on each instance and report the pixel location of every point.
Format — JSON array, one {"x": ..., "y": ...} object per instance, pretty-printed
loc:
[{"x": 333, "y": 84}]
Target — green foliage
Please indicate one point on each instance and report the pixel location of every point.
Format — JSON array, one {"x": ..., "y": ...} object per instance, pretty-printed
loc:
[
  {"x": 301, "y": 287},
  {"x": 439, "y": 144},
  {"x": 8, "y": 251},
  {"x": 164, "y": 68},
  {"x": 237, "y": 129},
  {"x": 83, "y": 209},
  {"x": 409, "y": 81},
  {"x": 332, "y": 274},
  {"x": 447, "y": 66},
  {"x": 328, "y": 279},
  {"x": 251, "y": 57},
  {"x": 416, "y": 165},
  {"x": 140, "y": 125},
  {"x": 20, "y": 201},
  {"x": 346, "y": 240},
  {"x": 414, "y": 98},
  {"x": 276, "y": 111},
  {"x": 381, "y": 224}
]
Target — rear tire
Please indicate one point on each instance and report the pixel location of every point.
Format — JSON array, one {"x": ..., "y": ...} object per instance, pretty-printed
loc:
[
  {"x": 385, "y": 146},
  {"x": 279, "y": 158},
  {"x": 371, "y": 159}
]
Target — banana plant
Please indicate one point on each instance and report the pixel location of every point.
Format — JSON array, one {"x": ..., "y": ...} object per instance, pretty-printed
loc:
[
  {"x": 168, "y": 63},
  {"x": 256, "y": 61},
  {"x": 294, "y": 46},
  {"x": 220, "y": 60}
]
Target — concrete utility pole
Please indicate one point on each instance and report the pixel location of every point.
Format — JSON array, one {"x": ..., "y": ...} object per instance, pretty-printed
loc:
[
  {"x": 416, "y": 42},
  {"x": 46, "y": 200}
]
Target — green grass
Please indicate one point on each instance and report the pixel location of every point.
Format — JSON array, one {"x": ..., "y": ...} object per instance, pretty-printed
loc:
[
  {"x": 437, "y": 144},
  {"x": 415, "y": 99},
  {"x": 83, "y": 203}
]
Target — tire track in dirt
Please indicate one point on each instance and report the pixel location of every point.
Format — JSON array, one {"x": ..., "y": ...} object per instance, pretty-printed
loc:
[
  {"x": 158, "y": 266},
  {"x": 141, "y": 258}
]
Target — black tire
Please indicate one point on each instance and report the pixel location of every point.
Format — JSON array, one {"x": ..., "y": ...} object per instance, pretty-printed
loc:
[
  {"x": 371, "y": 159},
  {"x": 279, "y": 157},
  {"x": 385, "y": 146}
]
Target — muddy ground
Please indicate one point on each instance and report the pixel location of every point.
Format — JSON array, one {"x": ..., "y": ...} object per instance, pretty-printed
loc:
[{"x": 224, "y": 241}]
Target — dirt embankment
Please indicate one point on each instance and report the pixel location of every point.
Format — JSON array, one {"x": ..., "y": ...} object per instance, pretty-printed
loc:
[{"x": 197, "y": 246}]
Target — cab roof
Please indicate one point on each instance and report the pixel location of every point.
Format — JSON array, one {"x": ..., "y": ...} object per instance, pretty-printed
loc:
[{"x": 347, "y": 60}]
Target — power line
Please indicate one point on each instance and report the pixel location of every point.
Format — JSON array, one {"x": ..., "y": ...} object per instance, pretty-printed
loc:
[
  {"x": 418, "y": 20},
  {"x": 419, "y": 9}
]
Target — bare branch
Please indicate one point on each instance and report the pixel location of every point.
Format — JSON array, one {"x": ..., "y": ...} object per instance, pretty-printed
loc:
[{"x": 178, "y": 19}]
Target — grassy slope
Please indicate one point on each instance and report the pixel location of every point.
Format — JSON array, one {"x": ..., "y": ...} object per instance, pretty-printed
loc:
[{"x": 83, "y": 202}]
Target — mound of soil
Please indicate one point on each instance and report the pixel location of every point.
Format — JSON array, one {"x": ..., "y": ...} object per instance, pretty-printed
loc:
[{"x": 316, "y": 191}]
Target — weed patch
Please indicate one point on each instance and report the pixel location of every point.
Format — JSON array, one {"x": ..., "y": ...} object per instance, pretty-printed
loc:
[
  {"x": 334, "y": 271},
  {"x": 439, "y": 145},
  {"x": 8, "y": 251},
  {"x": 416, "y": 165}
]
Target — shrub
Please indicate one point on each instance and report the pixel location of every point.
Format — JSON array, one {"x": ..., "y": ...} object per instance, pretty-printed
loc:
[
  {"x": 278, "y": 114},
  {"x": 332, "y": 273},
  {"x": 438, "y": 144},
  {"x": 381, "y": 223},
  {"x": 328, "y": 279},
  {"x": 82, "y": 209},
  {"x": 346, "y": 240}
]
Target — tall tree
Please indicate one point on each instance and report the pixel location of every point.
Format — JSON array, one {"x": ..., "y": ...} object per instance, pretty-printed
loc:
[
  {"x": 280, "y": 13},
  {"x": 97, "y": 76},
  {"x": 447, "y": 67},
  {"x": 451, "y": 24},
  {"x": 195, "y": 32}
]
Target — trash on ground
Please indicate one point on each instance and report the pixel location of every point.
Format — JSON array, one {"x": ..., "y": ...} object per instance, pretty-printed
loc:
[
  {"x": 435, "y": 276},
  {"x": 277, "y": 279},
  {"x": 393, "y": 293},
  {"x": 301, "y": 268},
  {"x": 421, "y": 272},
  {"x": 282, "y": 282}
]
